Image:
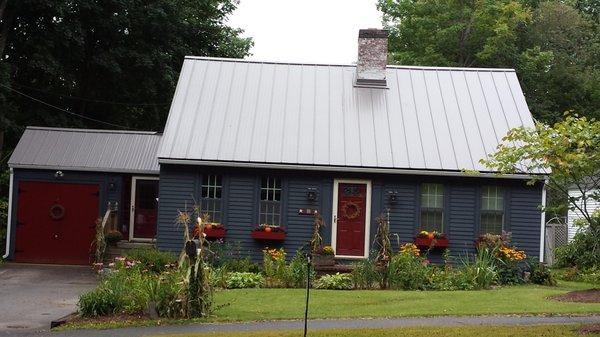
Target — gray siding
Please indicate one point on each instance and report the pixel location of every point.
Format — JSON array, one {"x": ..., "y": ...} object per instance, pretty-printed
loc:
[{"x": 179, "y": 185}]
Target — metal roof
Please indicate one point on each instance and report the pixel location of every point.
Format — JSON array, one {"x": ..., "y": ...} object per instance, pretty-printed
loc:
[
  {"x": 87, "y": 150},
  {"x": 230, "y": 112}
]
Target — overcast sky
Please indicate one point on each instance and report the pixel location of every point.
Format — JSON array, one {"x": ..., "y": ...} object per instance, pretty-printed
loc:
[{"x": 320, "y": 31}]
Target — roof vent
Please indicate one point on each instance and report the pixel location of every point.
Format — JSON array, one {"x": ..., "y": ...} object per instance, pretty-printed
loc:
[{"x": 372, "y": 58}]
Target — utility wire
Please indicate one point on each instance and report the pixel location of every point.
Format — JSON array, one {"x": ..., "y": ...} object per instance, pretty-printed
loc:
[
  {"x": 63, "y": 110},
  {"x": 89, "y": 99}
]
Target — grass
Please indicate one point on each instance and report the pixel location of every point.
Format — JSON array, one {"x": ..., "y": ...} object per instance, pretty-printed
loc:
[
  {"x": 280, "y": 304},
  {"x": 274, "y": 304},
  {"x": 496, "y": 331}
]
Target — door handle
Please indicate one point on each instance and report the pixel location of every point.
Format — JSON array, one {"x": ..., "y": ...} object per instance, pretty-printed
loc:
[{"x": 335, "y": 218}]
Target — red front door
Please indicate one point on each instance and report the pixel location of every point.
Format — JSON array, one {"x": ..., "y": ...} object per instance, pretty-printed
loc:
[
  {"x": 55, "y": 222},
  {"x": 351, "y": 219}
]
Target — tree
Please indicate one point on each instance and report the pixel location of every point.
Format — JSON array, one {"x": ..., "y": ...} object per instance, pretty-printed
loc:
[
  {"x": 553, "y": 45},
  {"x": 114, "y": 62},
  {"x": 565, "y": 155}
]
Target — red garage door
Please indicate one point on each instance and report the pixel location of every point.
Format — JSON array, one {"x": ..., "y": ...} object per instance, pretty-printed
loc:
[{"x": 55, "y": 222}]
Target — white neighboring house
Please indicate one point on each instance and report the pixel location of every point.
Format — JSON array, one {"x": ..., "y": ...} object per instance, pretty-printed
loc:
[{"x": 591, "y": 204}]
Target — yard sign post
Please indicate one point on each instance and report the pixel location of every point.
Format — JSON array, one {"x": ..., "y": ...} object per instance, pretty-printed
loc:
[{"x": 307, "y": 292}]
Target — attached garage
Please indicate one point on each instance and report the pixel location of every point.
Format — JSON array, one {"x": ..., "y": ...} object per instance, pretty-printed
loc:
[{"x": 63, "y": 180}]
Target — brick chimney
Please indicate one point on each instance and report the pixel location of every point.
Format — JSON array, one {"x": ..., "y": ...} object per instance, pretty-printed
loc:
[{"x": 372, "y": 58}]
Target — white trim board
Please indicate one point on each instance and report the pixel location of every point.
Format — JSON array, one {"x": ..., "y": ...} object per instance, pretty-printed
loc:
[
  {"x": 334, "y": 211},
  {"x": 134, "y": 179}
]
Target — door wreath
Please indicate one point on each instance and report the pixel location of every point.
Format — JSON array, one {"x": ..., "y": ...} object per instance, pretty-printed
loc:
[
  {"x": 57, "y": 212},
  {"x": 350, "y": 210}
]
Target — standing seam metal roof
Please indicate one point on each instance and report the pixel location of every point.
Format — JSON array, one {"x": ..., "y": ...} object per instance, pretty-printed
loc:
[
  {"x": 237, "y": 111},
  {"x": 87, "y": 150}
]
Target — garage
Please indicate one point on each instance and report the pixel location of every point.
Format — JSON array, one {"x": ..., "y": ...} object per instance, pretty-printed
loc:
[
  {"x": 55, "y": 222},
  {"x": 63, "y": 180}
]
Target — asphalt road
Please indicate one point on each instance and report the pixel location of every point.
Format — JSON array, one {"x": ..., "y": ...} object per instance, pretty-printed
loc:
[{"x": 31, "y": 296}]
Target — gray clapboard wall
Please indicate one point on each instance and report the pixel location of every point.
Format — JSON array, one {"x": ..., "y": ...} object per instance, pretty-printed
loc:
[{"x": 180, "y": 187}]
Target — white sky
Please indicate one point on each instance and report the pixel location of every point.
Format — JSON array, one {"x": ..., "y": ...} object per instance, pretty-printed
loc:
[{"x": 320, "y": 31}]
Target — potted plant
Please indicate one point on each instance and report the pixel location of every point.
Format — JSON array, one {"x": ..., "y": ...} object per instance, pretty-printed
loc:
[
  {"x": 431, "y": 239},
  {"x": 112, "y": 237},
  {"x": 268, "y": 232},
  {"x": 324, "y": 257}
]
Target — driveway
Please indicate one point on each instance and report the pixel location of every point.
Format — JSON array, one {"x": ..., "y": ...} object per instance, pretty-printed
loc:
[{"x": 31, "y": 296}]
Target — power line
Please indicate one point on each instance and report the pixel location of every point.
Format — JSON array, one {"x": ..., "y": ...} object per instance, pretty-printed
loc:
[
  {"x": 63, "y": 110},
  {"x": 89, "y": 99}
]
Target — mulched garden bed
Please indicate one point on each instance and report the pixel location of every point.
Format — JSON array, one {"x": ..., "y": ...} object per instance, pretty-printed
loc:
[
  {"x": 590, "y": 329},
  {"x": 582, "y": 296}
]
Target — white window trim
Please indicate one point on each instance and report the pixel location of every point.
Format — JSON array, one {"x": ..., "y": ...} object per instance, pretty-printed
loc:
[
  {"x": 336, "y": 183},
  {"x": 134, "y": 179}
]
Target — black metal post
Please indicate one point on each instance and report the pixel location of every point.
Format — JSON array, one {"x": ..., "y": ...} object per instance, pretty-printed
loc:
[{"x": 307, "y": 293}]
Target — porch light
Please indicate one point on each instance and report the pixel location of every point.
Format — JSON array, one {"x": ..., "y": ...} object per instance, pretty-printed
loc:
[
  {"x": 58, "y": 174},
  {"x": 392, "y": 197},
  {"x": 311, "y": 194}
]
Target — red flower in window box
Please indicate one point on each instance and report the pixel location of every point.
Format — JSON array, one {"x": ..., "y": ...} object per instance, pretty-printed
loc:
[
  {"x": 268, "y": 232},
  {"x": 211, "y": 230},
  {"x": 431, "y": 240}
]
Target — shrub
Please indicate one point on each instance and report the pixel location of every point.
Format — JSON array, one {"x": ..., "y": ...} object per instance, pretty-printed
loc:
[
  {"x": 274, "y": 268},
  {"x": 364, "y": 274},
  {"x": 591, "y": 275},
  {"x": 244, "y": 280},
  {"x": 336, "y": 281},
  {"x": 583, "y": 251},
  {"x": 244, "y": 265},
  {"x": 408, "y": 271},
  {"x": 540, "y": 274},
  {"x": 297, "y": 271},
  {"x": 152, "y": 259},
  {"x": 480, "y": 272}
]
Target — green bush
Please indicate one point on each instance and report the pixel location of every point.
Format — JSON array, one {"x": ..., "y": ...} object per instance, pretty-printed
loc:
[
  {"x": 244, "y": 265},
  {"x": 130, "y": 290},
  {"x": 480, "y": 272},
  {"x": 365, "y": 275},
  {"x": 152, "y": 259},
  {"x": 3, "y": 223},
  {"x": 297, "y": 271},
  {"x": 539, "y": 273},
  {"x": 591, "y": 275},
  {"x": 583, "y": 251},
  {"x": 244, "y": 280},
  {"x": 408, "y": 271},
  {"x": 336, "y": 281}
]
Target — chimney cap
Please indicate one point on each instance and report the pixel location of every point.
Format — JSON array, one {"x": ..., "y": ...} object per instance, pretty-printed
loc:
[{"x": 373, "y": 33}]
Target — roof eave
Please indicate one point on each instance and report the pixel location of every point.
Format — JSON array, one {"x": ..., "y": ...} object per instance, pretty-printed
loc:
[
  {"x": 401, "y": 171},
  {"x": 83, "y": 169}
]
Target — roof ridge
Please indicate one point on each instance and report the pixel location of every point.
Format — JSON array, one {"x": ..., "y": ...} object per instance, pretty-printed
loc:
[
  {"x": 390, "y": 66},
  {"x": 48, "y": 128}
]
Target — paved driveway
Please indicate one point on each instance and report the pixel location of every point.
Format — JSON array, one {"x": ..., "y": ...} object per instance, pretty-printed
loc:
[{"x": 31, "y": 296}]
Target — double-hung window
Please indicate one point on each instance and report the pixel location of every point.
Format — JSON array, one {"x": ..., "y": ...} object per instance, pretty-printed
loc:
[
  {"x": 492, "y": 210},
  {"x": 212, "y": 189},
  {"x": 270, "y": 201},
  {"x": 432, "y": 207}
]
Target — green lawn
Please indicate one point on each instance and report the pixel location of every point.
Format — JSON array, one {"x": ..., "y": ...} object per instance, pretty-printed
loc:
[
  {"x": 273, "y": 304},
  {"x": 277, "y": 304},
  {"x": 496, "y": 331}
]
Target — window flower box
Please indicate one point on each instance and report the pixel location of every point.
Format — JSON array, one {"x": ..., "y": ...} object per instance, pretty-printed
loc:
[
  {"x": 431, "y": 240},
  {"x": 212, "y": 230},
  {"x": 269, "y": 233}
]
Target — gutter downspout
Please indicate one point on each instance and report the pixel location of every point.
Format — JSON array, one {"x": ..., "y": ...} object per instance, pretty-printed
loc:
[
  {"x": 543, "y": 224},
  {"x": 9, "y": 222}
]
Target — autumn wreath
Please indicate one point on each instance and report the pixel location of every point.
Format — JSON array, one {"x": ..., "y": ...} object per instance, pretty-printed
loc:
[{"x": 351, "y": 210}]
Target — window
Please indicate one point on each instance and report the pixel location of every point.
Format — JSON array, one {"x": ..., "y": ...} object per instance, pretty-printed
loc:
[
  {"x": 270, "y": 201},
  {"x": 212, "y": 188},
  {"x": 432, "y": 207},
  {"x": 492, "y": 210}
]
